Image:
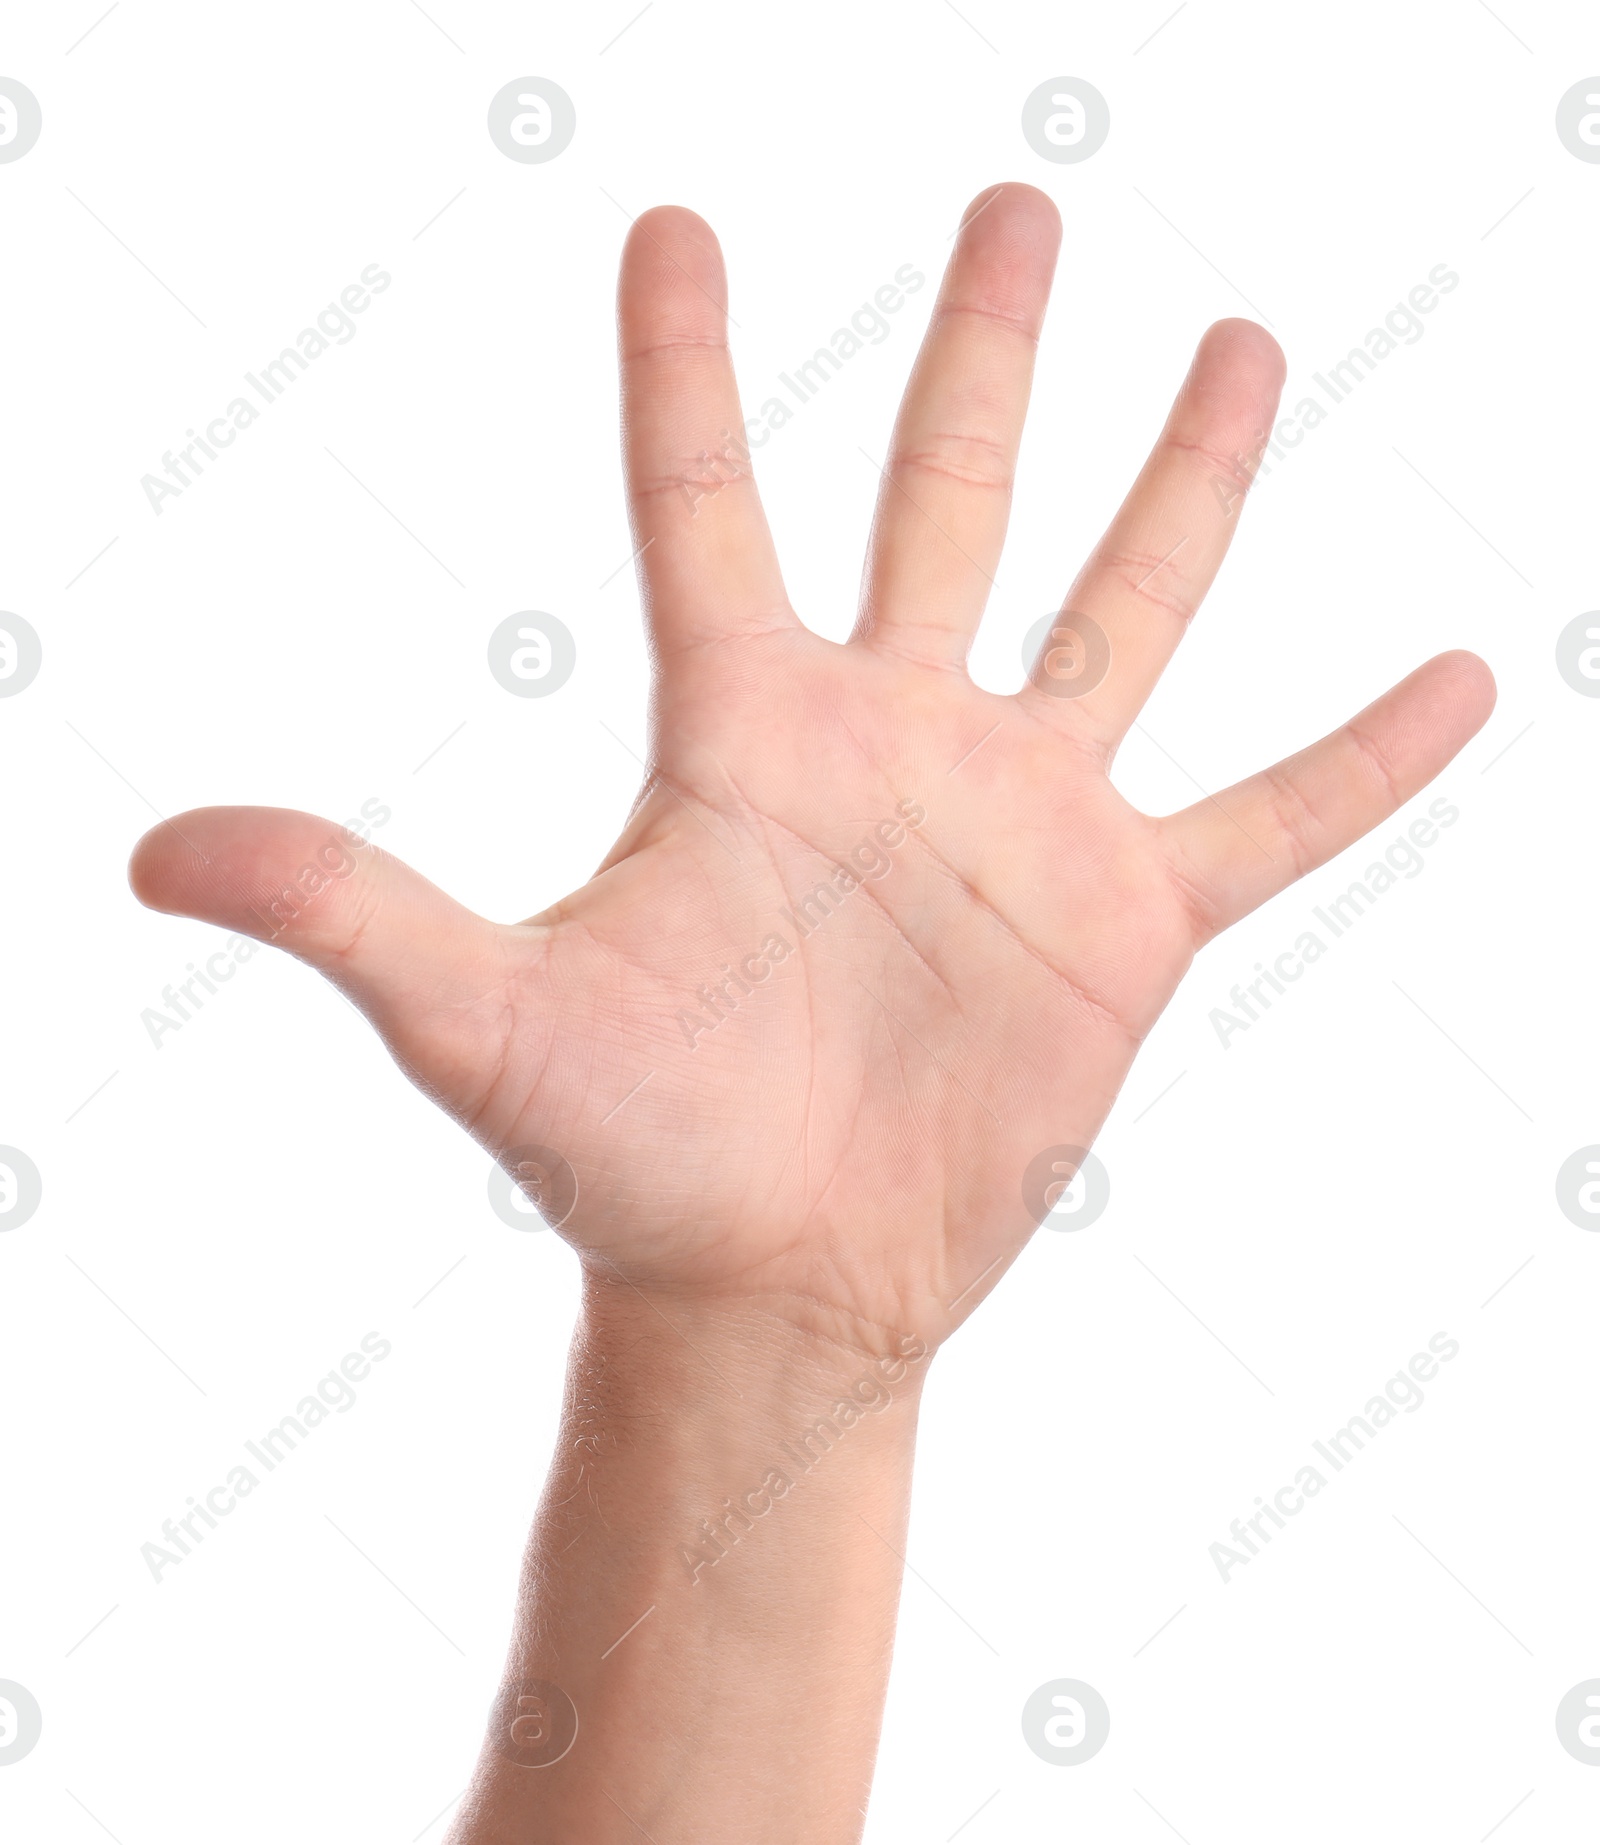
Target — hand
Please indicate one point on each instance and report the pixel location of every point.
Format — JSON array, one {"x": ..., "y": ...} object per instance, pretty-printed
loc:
[{"x": 837, "y": 1109}]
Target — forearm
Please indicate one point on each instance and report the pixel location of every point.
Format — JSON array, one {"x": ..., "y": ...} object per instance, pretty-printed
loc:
[{"x": 712, "y": 1583}]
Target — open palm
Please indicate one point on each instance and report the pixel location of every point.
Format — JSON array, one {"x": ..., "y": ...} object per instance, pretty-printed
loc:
[{"x": 872, "y": 938}]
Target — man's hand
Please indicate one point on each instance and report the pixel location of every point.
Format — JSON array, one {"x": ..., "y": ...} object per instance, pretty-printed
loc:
[{"x": 871, "y": 937}]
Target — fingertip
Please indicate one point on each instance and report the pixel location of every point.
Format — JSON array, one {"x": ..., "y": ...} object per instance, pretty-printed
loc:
[
  {"x": 674, "y": 238},
  {"x": 1005, "y": 256},
  {"x": 1024, "y": 210},
  {"x": 1227, "y": 402},
  {"x": 1467, "y": 682},
  {"x": 1243, "y": 348},
  {"x": 227, "y": 864},
  {"x": 141, "y": 879},
  {"x": 672, "y": 224},
  {"x": 155, "y": 861},
  {"x": 672, "y": 286}
]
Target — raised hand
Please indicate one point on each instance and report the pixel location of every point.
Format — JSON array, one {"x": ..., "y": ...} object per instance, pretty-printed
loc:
[{"x": 872, "y": 937}]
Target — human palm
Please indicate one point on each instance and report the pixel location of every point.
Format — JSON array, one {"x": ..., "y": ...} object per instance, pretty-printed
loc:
[{"x": 872, "y": 938}]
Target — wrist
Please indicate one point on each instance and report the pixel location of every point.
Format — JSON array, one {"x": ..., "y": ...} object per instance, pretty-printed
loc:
[
  {"x": 717, "y": 1383},
  {"x": 756, "y": 1445}
]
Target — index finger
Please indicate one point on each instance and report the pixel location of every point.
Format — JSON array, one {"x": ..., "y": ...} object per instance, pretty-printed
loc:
[{"x": 707, "y": 565}]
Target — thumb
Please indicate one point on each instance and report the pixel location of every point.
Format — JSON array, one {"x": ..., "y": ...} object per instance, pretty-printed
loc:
[{"x": 414, "y": 960}]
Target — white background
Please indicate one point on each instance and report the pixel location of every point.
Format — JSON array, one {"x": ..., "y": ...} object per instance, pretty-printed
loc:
[{"x": 232, "y": 1212}]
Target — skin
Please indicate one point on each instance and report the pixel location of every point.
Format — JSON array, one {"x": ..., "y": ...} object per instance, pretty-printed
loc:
[{"x": 816, "y": 1187}]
